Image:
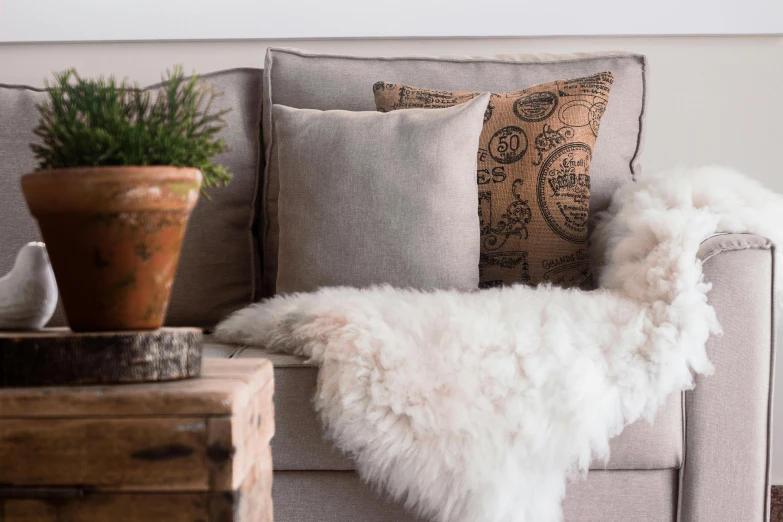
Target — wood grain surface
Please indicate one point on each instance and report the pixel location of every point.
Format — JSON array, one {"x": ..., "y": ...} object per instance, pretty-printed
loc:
[
  {"x": 61, "y": 357},
  {"x": 224, "y": 386}
]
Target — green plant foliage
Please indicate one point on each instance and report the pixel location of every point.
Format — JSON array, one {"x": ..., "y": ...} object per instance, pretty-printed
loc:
[{"x": 99, "y": 122}]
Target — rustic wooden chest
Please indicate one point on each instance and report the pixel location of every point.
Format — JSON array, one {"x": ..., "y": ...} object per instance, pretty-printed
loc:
[{"x": 192, "y": 450}]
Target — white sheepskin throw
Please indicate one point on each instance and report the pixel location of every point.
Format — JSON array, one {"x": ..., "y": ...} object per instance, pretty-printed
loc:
[{"x": 477, "y": 407}]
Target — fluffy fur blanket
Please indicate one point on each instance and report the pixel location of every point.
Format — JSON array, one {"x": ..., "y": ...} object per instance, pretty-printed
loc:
[{"x": 479, "y": 406}]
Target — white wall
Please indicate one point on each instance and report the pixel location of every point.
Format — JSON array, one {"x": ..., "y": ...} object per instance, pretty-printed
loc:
[
  {"x": 712, "y": 100},
  {"x": 87, "y": 20}
]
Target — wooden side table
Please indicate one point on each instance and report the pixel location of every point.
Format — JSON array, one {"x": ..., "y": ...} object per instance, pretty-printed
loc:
[{"x": 193, "y": 450}]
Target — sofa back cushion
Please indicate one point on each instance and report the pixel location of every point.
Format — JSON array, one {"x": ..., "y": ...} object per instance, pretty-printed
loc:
[
  {"x": 312, "y": 81},
  {"x": 219, "y": 260}
]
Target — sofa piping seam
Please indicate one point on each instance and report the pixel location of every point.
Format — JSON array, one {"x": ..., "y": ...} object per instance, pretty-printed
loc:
[
  {"x": 608, "y": 55},
  {"x": 22, "y": 87},
  {"x": 641, "y": 119},
  {"x": 354, "y": 470},
  {"x": 771, "y": 392},
  {"x": 684, "y": 457},
  {"x": 267, "y": 96},
  {"x": 735, "y": 248}
]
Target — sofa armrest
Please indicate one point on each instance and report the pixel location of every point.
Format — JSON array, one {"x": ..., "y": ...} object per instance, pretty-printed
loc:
[{"x": 725, "y": 475}]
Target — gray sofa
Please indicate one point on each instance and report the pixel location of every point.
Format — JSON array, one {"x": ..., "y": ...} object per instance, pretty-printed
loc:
[{"x": 706, "y": 457}]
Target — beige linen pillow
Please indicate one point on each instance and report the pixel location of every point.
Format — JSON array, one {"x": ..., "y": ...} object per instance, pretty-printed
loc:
[
  {"x": 533, "y": 175},
  {"x": 369, "y": 198}
]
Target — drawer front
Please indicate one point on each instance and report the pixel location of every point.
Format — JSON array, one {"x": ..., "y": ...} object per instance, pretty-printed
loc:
[
  {"x": 128, "y": 453},
  {"x": 251, "y": 502},
  {"x": 168, "y": 453}
]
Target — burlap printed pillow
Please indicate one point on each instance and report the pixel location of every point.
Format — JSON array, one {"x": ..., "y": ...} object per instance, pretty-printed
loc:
[{"x": 533, "y": 175}]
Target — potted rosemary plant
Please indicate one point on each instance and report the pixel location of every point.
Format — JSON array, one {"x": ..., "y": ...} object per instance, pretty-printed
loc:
[{"x": 120, "y": 170}]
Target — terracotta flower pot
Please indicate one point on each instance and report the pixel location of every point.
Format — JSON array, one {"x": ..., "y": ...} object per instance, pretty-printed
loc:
[{"x": 114, "y": 236}]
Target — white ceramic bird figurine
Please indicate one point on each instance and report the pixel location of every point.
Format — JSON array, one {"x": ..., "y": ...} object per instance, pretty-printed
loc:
[{"x": 28, "y": 293}]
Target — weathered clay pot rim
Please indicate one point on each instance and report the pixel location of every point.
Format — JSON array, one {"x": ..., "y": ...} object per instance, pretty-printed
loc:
[
  {"x": 100, "y": 190},
  {"x": 141, "y": 171}
]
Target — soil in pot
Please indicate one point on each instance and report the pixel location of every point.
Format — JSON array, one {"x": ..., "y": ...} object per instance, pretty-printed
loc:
[{"x": 114, "y": 236}]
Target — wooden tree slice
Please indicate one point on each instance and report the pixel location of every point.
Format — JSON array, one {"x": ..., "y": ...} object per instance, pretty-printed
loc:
[{"x": 57, "y": 356}]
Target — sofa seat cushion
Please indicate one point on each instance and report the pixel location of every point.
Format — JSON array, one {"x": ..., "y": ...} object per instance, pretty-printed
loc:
[
  {"x": 299, "y": 445},
  {"x": 605, "y": 496}
]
